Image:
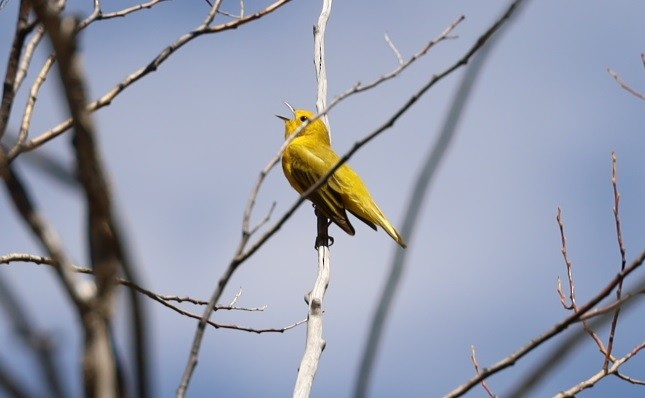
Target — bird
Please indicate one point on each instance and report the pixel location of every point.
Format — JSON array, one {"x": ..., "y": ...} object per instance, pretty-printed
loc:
[{"x": 309, "y": 157}]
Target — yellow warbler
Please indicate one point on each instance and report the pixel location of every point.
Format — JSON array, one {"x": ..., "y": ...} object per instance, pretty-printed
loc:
[{"x": 309, "y": 157}]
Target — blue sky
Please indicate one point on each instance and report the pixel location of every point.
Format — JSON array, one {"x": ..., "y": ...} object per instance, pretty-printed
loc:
[{"x": 184, "y": 146}]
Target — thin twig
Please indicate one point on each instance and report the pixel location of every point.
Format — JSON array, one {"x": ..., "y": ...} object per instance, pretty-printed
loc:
[
  {"x": 395, "y": 50},
  {"x": 601, "y": 374},
  {"x": 484, "y": 383},
  {"x": 162, "y": 299},
  {"x": 624, "y": 85},
  {"x": 265, "y": 220},
  {"x": 98, "y": 14},
  {"x": 630, "y": 379},
  {"x": 623, "y": 259},
  {"x": 569, "y": 264},
  {"x": 30, "y": 49},
  {"x": 31, "y": 103},
  {"x": 613, "y": 306},
  {"x": 573, "y": 306}
]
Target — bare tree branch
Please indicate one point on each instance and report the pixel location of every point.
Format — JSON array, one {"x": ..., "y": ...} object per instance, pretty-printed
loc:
[
  {"x": 601, "y": 374},
  {"x": 484, "y": 383},
  {"x": 162, "y": 299},
  {"x": 549, "y": 334},
  {"x": 31, "y": 103},
  {"x": 30, "y": 49},
  {"x": 624, "y": 85},
  {"x": 623, "y": 259},
  {"x": 315, "y": 343},
  {"x": 107, "y": 98},
  {"x": 396, "y": 52},
  {"x": 572, "y": 291},
  {"x": 99, "y": 15}
]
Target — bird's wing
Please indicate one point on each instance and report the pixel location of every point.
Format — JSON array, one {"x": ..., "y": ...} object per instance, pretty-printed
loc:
[
  {"x": 353, "y": 193},
  {"x": 307, "y": 166}
]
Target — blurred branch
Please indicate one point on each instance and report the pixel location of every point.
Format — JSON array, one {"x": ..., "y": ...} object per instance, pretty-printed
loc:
[
  {"x": 99, "y": 362},
  {"x": 53, "y": 167},
  {"x": 39, "y": 343},
  {"x": 9, "y": 86},
  {"x": 482, "y": 47},
  {"x": 11, "y": 385},
  {"x": 629, "y": 296},
  {"x": 43, "y": 232}
]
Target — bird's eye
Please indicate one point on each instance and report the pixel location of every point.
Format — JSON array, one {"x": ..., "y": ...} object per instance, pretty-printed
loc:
[{"x": 303, "y": 118}]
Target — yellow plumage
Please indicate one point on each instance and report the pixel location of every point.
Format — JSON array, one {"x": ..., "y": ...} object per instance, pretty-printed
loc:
[{"x": 309, "y": 157}]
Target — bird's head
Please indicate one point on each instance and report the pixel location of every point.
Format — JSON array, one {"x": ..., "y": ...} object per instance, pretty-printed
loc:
[{"x": 300, "y": 116}]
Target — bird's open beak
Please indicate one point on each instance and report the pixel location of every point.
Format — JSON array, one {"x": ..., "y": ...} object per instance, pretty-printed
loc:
[{"x": 284, "y": 117}]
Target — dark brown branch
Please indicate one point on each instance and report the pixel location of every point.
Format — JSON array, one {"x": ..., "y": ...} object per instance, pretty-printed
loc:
[
  {"x": 162, "y": 299},
  {"x": 9, "y": 84}
]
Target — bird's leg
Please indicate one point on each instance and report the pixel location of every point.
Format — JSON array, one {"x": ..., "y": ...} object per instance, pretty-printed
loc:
[{"x": 322, "y": 236}]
